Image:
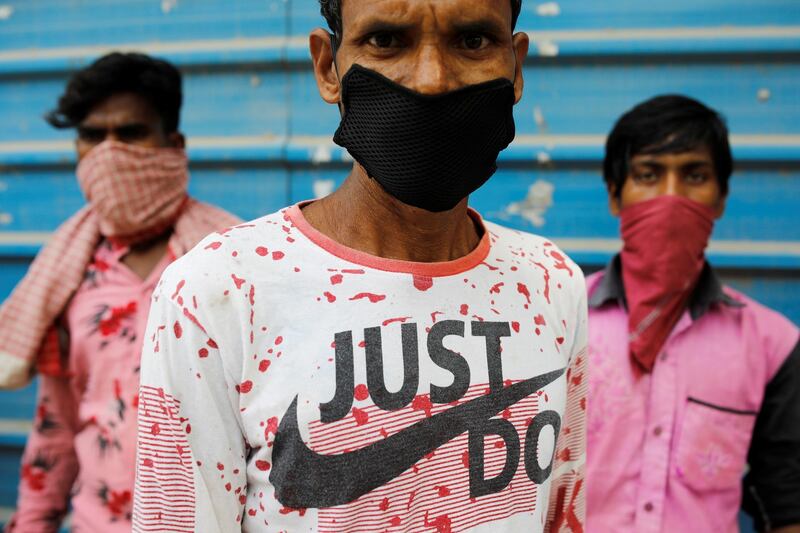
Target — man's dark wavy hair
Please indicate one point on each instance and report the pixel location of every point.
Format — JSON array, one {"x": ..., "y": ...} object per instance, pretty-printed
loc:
[
  {"x": 153, "y": 79},
  {"x": 667, "y": 124},
  {"x": 332, "y": 11}
]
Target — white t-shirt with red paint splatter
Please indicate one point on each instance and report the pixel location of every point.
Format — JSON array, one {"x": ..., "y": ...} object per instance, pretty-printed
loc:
[{"x": 292, "y": 384}]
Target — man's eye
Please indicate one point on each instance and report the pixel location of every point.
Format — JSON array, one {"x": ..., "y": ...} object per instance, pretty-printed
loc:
[
  {"x": 645, "y": 177},
  {"x": 696, "y": 178},
  {"x": 91, "y": 135},
  {"x": 133, "y": 133},
  {"x": 474, "y": 41},
  {"x": 383, "y": 40}
]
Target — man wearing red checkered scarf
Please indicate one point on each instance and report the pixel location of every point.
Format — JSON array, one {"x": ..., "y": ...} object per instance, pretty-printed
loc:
[{"x": 78, "y": 316}]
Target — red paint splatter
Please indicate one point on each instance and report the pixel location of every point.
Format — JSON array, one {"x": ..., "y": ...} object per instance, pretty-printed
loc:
[
  {"x": 180, "y": 286},
  {"x": 361, "y": 392},
  {"x": 263, "y": 365},
  {"x": 252, "y": 297},
  {"x": 214, "y": 245},
  {"x": 434, "y": 314},
  {"x": 263, "y": 465},
  {"x": 443, "y": 524},
  {"x": 176, "y": 327},
  {"x": 212, "y": 344},
  {"x": 422, "y": 283},
  {"x": 336, "y": 279},
  {"x": 237, "y": 281},
  {"x": 220, "y": 467},
  {"x": 395, "y": 521},
  {"x": 202, "y": 353},
  {"x": 353, "y": 271},
  {"x": 402, "y": 320},
  {"x": 193, "y": 319},
  {"x": 464, "y": 310},
  {"x": 490, "y": 267},
  {"x": 444, "y": 491},
  {"x": 244, "y": 387},
  {"x": 523, "y": 290},
  {"x": 373, "y": 298},
  {"x": 515, "y": 326},
  {"x": 560, "y": 340},
  {"x": 496, "y": 288},
  {"x": 565, "y": 454},
  {"x": 155, "y": 429},
  {"x": 546, "y": 281},
  {"x": 384, "y": 505},
  {"x": 278, "y": 340},
  {"x": 147, "y": 462},
  {"x": 465, "y": 459},
  {"x": 277, "y": 256},
  {"x": 539, "y": 320},
  {"x": 330, "y": 297},
  {"x": 422, "y": 403},
  {"x": 360, "y": 416},
  {"x": 272, "y": 427},
  {"x": 561, "y": 263},
  {"x": 411, "y": 499}
]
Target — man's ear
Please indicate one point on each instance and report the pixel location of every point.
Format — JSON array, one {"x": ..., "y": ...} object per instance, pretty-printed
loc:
[
  {"x": 319, "y": 42},
  {"x": 520, "y": 42},
  {"x": 614, "y": 200},
  {"x": 720, "y": 208},
  {"x": 176, "y": 139}
]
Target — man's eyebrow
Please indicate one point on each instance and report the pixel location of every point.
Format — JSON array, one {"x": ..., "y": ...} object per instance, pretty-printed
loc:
[
  {"x": 698, "y": 163},
  {"x": 382, "y": 26},
  {"x": 486, "y": 25}
]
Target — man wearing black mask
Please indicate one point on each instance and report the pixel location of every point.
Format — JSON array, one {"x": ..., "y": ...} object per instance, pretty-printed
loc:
[{"x": 380, "y": 359}]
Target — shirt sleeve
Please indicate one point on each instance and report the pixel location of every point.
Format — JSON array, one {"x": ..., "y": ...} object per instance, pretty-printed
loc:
[
  {"x": 49, "y": 462},
  {"x": 567, "y": 508},
  {"x": 771, "y": 492},
  {"x": 191, "y": 453}
]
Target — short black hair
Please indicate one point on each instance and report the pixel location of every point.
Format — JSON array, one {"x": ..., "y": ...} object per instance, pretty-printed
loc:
[
  {"x": 667, "y": 124},
  {"x": 332, "y": 11},
  {"x": 156, "y": 80}
]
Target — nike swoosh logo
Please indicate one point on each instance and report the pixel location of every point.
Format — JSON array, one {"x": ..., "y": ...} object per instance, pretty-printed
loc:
[{"x": 305, "y": 479}]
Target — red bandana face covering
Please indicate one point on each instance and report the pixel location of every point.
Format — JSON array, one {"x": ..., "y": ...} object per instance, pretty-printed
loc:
[
  {"x": 137, "y": 193},
  {"x": 662, "y": 258}
]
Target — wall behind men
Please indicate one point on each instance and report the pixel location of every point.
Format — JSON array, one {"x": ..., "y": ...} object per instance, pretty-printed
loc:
[{"x": 259, "y": 136}]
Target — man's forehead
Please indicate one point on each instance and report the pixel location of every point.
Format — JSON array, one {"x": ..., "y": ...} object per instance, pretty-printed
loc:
[
  {"x": 120, "y": 109},
  {"x": 700, "y": 154},
  {"x": 444, "y": 13}
]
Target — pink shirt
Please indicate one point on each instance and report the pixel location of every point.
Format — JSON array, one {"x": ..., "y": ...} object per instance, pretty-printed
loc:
[
  {"x": 84, "y": 436},
  {"x": 667, "y": 450}
]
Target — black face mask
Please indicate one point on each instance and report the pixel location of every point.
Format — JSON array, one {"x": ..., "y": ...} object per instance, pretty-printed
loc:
[{"x": 428, "y": 151}]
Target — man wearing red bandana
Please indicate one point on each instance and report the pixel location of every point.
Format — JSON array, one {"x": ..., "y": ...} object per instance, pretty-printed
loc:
[
  {"x": 78, "y": 316},
  {"x": 695, "y": 388}
]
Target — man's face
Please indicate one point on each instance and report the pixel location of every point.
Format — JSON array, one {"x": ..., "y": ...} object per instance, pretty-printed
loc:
[
  {"x": 126, "y": 118},
  {"x": 429, "y": 46},
  {"x": 688, "y": 174}
]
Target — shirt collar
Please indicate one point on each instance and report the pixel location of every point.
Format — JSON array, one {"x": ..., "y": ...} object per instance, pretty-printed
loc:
[{"x": 707, "y": 293}]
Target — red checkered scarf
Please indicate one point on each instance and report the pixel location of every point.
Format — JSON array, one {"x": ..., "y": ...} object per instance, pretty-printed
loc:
[{"x": 134, "y": 194}]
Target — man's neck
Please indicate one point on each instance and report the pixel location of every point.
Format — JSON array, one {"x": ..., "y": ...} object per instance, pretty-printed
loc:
[{"x": 362, "y": 216}]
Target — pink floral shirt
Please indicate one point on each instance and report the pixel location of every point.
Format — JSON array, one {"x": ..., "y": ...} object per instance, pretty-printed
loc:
[{"x": 83, "y": 444}]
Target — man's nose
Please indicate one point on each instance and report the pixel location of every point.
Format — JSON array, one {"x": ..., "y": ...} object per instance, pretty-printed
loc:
[
  {"x": 673, "y": 184},
  {"x": 431, "y": 74}
]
